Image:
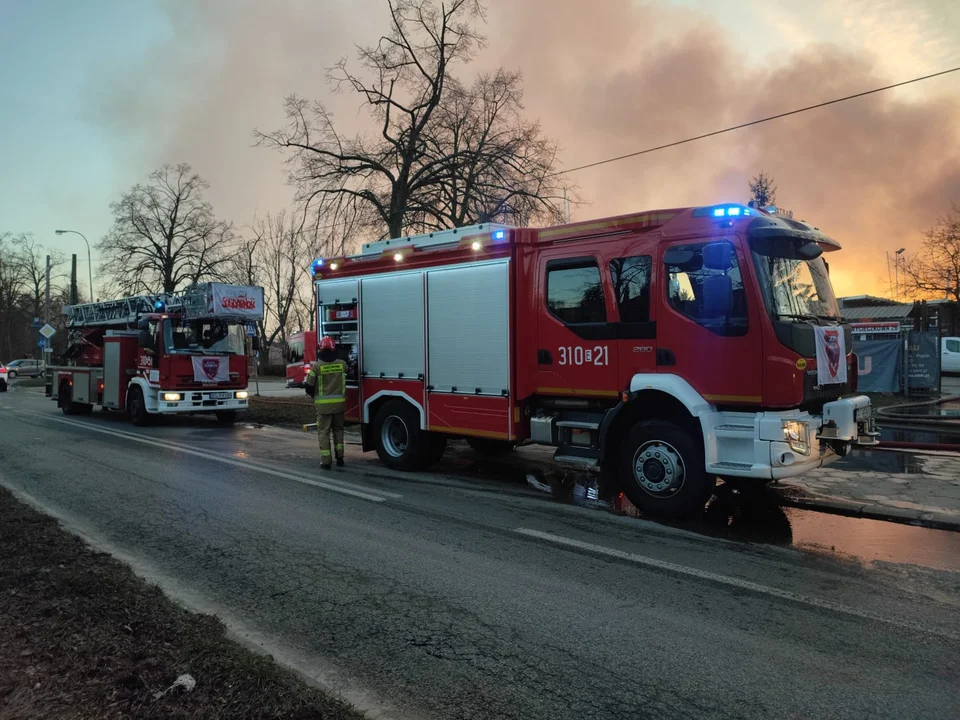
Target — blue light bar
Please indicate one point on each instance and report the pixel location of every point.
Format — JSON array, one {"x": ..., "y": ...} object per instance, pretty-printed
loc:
[
  {"x": 499, "y": 234},
  {"x": 723, "y": 211},
  {"x": 159, "y": 306},
  {"x": 317, "y": 265}
]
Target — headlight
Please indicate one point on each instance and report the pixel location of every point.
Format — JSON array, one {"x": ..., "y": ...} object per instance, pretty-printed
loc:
[
  {"x": 243, "y": 395},
  {"x": 797, "y": 435},
  {"x": 172, "y": 397}
]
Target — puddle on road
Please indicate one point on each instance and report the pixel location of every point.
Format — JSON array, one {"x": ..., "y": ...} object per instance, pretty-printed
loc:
[
  {"x": 904, "y": 463},
  {"x": 758, "y": 518}
]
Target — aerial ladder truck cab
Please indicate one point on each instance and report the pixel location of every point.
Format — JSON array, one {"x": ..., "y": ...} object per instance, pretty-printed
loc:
[
  {"x": 183, "y": 352},
  {"x": 661, "y": 350}
]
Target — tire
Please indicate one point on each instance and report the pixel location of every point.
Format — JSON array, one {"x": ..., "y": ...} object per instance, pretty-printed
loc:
[
  {"x": 12, "y": 374},
  {"x": 400, "y": 443},
  {"x": 137, "y": 407},
  {"x": 486, "y": 446},
  {"x": 671, "y": 481},
  {"x": 227, "y": 417},
  {"x": 65, "y": 399}
]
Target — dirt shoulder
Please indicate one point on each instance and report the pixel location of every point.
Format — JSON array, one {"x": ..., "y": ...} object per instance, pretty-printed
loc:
[
  {"x": 81, "y": 636},
  {"x": 292, "y": 411}
]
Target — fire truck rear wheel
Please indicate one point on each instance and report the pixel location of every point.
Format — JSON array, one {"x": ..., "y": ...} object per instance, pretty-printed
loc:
[
  {"x": 661, "y": 470},
  {"x": 68, "y": 406},
  {"x": 137, "y": 408},
  {"x": 401, "y": 444}
]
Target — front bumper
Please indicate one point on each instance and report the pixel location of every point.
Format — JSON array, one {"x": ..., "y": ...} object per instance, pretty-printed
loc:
[
  {"x": 199, "y": 401},
  {"x": 773, "y": 445}
]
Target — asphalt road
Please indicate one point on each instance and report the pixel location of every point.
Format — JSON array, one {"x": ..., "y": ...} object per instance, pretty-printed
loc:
[{"x": 441, "y": 596}]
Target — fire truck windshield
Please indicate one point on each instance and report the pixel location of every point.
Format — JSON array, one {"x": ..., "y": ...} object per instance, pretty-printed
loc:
[
  {"x": 794, "y": 287},
  {"x": 203, "y": 336}
]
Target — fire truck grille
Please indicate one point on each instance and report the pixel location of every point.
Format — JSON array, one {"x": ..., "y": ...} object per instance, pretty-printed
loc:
[{"x": 813, "y": 393}]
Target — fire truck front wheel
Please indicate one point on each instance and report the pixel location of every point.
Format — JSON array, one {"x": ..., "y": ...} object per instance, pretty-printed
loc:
[
  {"x": 662, "y": 470},
  {"x": 400, "y": 443},
  {"x": 137, "y": 407}
]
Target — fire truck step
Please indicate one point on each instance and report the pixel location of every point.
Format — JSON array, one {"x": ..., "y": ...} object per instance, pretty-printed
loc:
[{"x": 578, "y": 424}]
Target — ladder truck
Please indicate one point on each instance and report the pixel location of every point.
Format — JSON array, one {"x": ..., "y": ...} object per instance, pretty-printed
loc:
[
  {"x": 658, "y": 351},
  {"x": 148, "y": 355}
]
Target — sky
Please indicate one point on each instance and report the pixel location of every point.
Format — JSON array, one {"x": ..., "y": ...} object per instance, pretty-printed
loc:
[{"x": 96, "y": 95}]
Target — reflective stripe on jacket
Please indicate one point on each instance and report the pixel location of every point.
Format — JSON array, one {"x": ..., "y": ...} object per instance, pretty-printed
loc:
[{"x": 330, "y": 380}]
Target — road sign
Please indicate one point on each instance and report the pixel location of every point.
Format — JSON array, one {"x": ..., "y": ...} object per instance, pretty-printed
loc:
[
  {"x": 48, "y": 331},
  {"x": 251, "y": 330},
  {"x": 42, "y": 343},
  {"x": 36, "y": 323}
]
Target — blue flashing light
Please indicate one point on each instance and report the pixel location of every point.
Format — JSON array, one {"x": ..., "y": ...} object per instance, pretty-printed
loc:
[
  {"x": 499, "y": 234},
  {"x": 317, "y": 265},
  {"x": 159, "y": 306},
  {"x": 723, "y": 211}
]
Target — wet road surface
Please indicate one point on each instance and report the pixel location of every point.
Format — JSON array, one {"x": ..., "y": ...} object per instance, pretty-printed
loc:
[{"x": 444, "y": 595}]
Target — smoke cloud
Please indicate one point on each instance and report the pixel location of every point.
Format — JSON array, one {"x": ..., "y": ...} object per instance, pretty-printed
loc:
[{"x": 873, "y": 173}]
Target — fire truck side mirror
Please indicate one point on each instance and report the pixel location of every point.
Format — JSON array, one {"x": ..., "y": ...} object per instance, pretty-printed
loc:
[
  {"x": 145, "y": 337},
  {"x": 718, "y": 256}
]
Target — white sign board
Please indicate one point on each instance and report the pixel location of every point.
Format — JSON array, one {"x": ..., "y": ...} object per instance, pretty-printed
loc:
[
  {"x": 244, "y": 301},
  {"x": 48, "y": 331}
]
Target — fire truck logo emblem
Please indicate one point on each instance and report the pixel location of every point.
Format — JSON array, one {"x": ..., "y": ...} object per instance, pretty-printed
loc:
[
  {"x": 832, "y": 338},
  {"x": 211, "y": 367}
]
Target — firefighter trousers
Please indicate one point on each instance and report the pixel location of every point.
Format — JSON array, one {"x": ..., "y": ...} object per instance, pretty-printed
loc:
[{"x": 325, "y": 424}]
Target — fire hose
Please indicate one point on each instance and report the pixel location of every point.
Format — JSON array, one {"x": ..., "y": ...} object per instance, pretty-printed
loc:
[{"x": 894, "y": 412}]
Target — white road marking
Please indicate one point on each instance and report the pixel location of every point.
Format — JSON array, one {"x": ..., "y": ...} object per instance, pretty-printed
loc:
[
  {"x": 210, "y": 455},
  {"x": 732, "y": 582}
]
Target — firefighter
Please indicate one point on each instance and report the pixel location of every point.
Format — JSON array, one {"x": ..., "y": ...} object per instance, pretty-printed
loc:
[{"x": 326, "y": 384}]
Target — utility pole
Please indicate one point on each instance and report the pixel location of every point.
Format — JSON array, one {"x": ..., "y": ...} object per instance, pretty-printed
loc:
[
  {"x": 73, "y": 279},
  {"x": 46, "y": 301}
]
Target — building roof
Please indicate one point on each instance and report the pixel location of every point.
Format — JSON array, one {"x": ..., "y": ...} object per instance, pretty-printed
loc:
[
  {"x": 862, "y": 300},
  {"x": 876, "y": 312}
]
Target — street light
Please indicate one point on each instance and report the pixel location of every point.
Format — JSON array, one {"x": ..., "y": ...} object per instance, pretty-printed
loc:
[
  {"x": 89, "y": 261},
  {"x": 896, "y": 270}
]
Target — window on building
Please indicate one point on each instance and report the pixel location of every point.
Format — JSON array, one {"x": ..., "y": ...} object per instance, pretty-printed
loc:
[
  {"x": 631, "y": 286},
  {"x": 698, "y": 292},
  {"x": 575, "y": 291}
]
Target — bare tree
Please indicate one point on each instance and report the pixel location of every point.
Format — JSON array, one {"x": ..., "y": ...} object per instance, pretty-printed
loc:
[
  {"x": 13, "y": 320},
  {"x": 496, "y": 166},
  {"x": 34, "y": 263},
  {"x": 409, "y": 175},
  {"x": 165, "y": 235},
  {"x": 763, "y": 191},
  {"x": 935, "y": 270}
]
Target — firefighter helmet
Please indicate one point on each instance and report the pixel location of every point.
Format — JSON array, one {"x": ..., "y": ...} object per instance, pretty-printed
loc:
[{"x": 327, "y": 343}]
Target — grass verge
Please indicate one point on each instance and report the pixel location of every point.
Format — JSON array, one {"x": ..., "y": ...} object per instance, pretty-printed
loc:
[
  {"x": 81, "y": 636},
  {"x": 294, "y": 411}
]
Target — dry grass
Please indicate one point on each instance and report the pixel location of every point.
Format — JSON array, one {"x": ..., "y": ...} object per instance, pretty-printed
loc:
[{"x": 82, "y": 637}]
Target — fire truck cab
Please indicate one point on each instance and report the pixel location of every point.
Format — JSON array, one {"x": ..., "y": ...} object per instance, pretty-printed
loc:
[
  {"x": 301, "y": 355},
  {"x": 661, "y": 350},
  {"x": 150, "y": 355}
]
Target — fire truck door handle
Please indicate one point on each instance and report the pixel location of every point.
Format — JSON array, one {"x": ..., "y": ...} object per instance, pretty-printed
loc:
[
  {"x": 666, "y": 357},
  {"x": 544, "y": 357}
]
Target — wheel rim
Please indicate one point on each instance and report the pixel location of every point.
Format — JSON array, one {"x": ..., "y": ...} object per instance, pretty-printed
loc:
[
  {"x": 659, "y": 469},
  {"x": 394, "y": 436}
]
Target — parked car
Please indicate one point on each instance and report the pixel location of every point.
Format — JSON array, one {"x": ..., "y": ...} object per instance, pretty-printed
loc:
[
  {"x": 3, "y": 378},
  {"x": 25, "y": 368},
  {"x": 950, "y": 354}
]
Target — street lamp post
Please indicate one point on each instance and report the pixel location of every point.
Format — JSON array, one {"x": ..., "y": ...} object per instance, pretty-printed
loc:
[
  {"x": 89, "y": 261},
  {"x": 896, "y": 270}
]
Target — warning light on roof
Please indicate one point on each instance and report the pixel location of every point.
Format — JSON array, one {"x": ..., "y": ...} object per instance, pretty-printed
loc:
[
  {"x": 499, "y": 234},
  {"x": 398, "y": 257},
  {"x": 334, "y": 266},
  {"x": 720, "y": 211},
  {"x": 159, "y": 306},
  {"x": 476, "y": 245},
  {"x": 316, "y": 266}
]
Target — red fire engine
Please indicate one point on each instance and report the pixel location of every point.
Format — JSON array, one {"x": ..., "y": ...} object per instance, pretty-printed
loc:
[
  {"x": 660, "y": 350},
  {"x": 179, "y": 353},
  {"x": 301, "y": 355}
]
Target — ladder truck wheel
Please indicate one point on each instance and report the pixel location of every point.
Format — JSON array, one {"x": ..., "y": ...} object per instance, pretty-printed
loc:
[
  {"x": 438, "y": 445},
  {"x": 662, "y": 470},
  {"x": 227, "y": 417},
  {"x": 68, "y": 406},
  {"x": 137, "y": 407},
  {"x": 486, "y": 446},
  {"x": 400, "y": 443}
]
